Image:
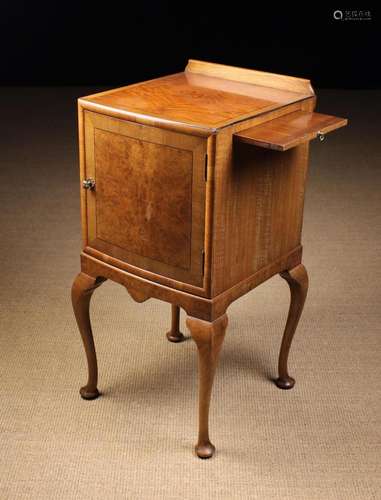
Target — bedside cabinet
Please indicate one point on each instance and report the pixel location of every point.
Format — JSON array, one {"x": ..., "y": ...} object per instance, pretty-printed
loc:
[{"x": 192, "y": 190}]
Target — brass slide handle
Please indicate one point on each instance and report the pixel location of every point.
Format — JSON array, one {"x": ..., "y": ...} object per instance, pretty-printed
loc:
[{"x": 321, "y": 136}]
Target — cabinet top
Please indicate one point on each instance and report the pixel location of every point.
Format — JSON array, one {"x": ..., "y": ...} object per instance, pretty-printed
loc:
[{"x": 206, "y": 96}]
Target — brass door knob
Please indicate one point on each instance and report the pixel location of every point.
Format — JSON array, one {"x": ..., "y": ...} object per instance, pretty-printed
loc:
[{"x": 88, "y": 184}]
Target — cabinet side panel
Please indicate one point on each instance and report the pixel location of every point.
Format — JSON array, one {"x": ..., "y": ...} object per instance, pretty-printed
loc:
[
  {"x": 258, "y": 208},
  {"x": 270, "y": 191}
]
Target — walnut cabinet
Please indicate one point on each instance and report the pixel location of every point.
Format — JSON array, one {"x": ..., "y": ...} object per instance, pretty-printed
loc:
[{"x": 192, "y": 192}]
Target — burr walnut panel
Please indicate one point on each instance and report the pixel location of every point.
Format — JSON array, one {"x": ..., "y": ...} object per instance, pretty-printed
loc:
[
  {"x": 147, "y": 208},
  {"x": 132, "y": 212}
]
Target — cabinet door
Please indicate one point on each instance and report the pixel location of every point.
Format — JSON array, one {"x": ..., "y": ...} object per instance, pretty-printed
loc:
[{"x": 147, "y": 208}]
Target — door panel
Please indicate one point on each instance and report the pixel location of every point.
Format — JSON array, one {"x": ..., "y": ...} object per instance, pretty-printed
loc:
[
  {"x": 133, "y": 211},
  {"x": 148, "y": 205}
]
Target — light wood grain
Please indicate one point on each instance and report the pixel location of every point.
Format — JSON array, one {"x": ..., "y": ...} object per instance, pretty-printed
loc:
[
  {"x": 187, "y": 209},
  {"x": 262, "y": 78},
  {"x": 195, "y": 304},
  {"x": 174, "y": 334},
  {"x": 82, "y": 173},
  {"x": 81, "y": 293},
  {"x": 297, "y": 279},
  {"x": 209, "y": 338},
  {"x": 148, "y": 207},
  {"x": 258, "y": 205},
  {"x": 200, "y": 100},
  {"x": 290, "y": 130}
]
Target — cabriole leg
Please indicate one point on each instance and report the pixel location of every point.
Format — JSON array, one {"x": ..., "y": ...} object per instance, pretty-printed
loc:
[
  {"x": 81, "y": 292},
  {"x": 209, "y": 337},
  {"x": 174, "y": 335},
  {"x": 297, "y": 280}
]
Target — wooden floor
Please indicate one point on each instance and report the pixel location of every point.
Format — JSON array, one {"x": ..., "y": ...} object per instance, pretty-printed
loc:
[{"x": 321, "y": 440}]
